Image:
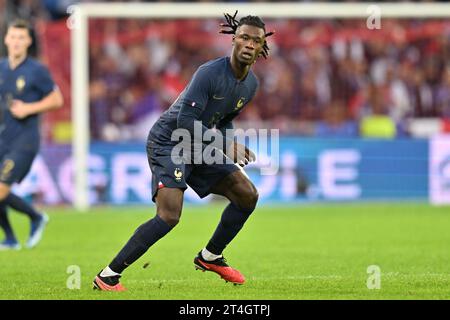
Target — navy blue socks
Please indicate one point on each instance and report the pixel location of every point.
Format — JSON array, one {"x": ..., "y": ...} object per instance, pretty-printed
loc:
[
  {"x": 142, "y": 239},
  {"x": 230, "y": 224}
]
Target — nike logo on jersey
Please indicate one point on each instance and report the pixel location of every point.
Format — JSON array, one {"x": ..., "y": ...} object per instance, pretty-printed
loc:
[{"x": 218, "y": 98}]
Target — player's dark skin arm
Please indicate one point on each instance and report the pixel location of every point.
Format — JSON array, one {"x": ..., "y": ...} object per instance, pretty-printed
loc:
[
  {"x": 236, "y": 187},
  {"x": 236, "y": 151}
]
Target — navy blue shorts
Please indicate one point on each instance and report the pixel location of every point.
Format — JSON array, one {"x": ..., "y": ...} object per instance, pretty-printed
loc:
[
  {"x": 200, "y": 177},
  {"x": 15, "y": 165}
]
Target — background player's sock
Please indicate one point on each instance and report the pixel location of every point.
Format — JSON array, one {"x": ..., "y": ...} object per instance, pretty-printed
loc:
[
  {"x": 231, "y": 222},
  {"x": 142, "y": 239},
  {"x": 5, "y": 224},
  {"x": 209, "y": 256},
  {"x": 19, "y": 204}
]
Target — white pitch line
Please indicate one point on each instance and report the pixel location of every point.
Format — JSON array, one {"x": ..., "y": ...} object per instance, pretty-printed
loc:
[{"x": 311, "y": 277}]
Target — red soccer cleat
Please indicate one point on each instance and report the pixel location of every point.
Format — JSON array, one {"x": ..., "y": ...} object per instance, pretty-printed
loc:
[
  {"x": 108, "y": 283},
  {"x": 220, "y": 267}
]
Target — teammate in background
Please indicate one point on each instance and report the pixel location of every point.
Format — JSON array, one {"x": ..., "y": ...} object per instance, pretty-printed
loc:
[
  {"x": 26, "y": 90},
  {"x": 216, "y": 94}
]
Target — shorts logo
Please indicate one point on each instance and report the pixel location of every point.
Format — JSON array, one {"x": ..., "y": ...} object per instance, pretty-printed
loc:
[
  {"x": 8, "y": 165},
  {"x": 20, "y": 84},
  {"x": 178, "y": 174}
]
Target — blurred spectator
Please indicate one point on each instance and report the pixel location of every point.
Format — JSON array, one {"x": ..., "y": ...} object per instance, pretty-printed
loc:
[
  {"x": 377, "y": 123},
  {"x": 332, "y": 82},
  {"x": 443, "y": 94},
  {"x": 336, "y": 123}
]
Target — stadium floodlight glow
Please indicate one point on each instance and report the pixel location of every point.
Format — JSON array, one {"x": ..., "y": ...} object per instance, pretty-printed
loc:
[{"x": 79, "y": 41}]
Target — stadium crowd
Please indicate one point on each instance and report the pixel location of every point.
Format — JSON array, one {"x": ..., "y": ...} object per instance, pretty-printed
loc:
[
  {"x": 327, "y": 87},
  {"x": 326, "y": 78}
]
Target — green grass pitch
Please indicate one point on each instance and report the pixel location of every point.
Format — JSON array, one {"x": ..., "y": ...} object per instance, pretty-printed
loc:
[{"x": 286, "y": 252}]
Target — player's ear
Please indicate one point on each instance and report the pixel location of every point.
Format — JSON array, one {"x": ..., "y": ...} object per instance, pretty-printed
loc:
[
  {"x": 5, "y": 38},
  {"x": 233, "y": 40},
  {"x": 29, "y": 40}
]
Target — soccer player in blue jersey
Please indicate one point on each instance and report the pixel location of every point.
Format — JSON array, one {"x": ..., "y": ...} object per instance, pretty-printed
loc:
[
  {"x": 217, "y": 93},
  {"x": 26, "y": 90}
]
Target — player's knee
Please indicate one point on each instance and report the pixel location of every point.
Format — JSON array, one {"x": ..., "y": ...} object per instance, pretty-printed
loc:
[
  {"x": 171, "y": 216},
  {"x": 248, "y": 198}
]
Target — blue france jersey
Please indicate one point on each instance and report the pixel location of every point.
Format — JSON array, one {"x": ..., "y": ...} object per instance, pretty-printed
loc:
[
  {"x": 29, "y": 82},
  {"x": 215, "y": 91}
]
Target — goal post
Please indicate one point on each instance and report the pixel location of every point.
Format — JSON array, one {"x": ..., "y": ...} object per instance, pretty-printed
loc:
[{"x": 81, "y": 13}]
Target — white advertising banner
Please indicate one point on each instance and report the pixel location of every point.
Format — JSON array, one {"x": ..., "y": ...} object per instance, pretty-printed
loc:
[{"x": 439, "y": 172}]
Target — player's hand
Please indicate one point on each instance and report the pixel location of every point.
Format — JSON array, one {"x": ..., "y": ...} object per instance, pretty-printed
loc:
[
  {"x": 241, "y": 154},
  {"x": 19, "y": 109}
]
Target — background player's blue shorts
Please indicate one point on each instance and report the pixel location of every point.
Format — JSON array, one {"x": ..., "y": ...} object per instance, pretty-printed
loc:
[
  {"x": 15, "y": 165},
  {"x": 200, "y": 177}
]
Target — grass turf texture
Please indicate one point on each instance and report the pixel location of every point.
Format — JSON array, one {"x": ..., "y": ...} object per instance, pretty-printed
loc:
[{"x": 289, "y": 253}]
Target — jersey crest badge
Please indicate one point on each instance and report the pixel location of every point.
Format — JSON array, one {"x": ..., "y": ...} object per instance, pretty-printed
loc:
[
  {"x": 240, "y": 104},
  {"x": 20, "y": 84},
  {"x": 178, "y": 174}
]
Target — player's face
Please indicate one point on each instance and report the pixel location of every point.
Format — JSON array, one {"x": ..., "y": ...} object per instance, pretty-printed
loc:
[
  {"x": 17, "y": 40},
  {"x": 248, "y": 43}
]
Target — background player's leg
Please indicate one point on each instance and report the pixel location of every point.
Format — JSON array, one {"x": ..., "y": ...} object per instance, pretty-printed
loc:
[
  {"x": 22, "y": 164},
  {"x": 38, "y": 220},
  {"x": 243, "y": 197},
  {"x": 169, "y": 202},
  {"x": 4, "y": 220},
  {"x": 5, "y": 224},
  {"x": 20, "y": 205}
]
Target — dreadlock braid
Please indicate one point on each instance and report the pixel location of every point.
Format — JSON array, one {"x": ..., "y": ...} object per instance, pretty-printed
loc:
[{"x": 232, "y": 25}]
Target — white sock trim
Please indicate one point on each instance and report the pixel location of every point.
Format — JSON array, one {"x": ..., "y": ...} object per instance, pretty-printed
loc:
[
  {"x": 107, "y": 272},
  {"x": 208, "y": 256}
]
